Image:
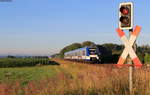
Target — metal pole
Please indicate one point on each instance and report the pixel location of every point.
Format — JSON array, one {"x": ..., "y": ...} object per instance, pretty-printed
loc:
[{"x": 129, "y": 61}]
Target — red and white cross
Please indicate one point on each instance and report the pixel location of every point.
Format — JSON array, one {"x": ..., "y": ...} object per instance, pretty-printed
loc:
[{"x": 128, "y": 47}]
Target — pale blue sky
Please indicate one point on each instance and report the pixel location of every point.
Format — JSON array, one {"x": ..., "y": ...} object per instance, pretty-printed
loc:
[{"x": 31, "y": 27}]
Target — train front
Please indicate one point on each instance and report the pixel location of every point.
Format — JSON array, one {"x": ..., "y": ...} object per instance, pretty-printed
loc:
[{"x": 93, "y": 54}]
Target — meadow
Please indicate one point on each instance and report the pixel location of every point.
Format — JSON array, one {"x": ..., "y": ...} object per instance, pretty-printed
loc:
[{"x": 72, "y": 78}]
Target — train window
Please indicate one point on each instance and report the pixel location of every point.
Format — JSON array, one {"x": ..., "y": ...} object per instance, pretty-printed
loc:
[
  {"x": 75, "y": 53},
  {"x": 83, "y": 52},
  {"x": 78, "y": 53}
]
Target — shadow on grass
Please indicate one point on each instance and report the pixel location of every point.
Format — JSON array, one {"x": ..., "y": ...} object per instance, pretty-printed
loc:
[{"x": 53, "y": 63}]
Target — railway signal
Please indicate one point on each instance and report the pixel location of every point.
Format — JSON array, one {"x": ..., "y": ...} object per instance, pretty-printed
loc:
[
  {"x": 128, "y": 46},
  {"x": 126, "y": 15},
  {"x": 126, "y": 23}
]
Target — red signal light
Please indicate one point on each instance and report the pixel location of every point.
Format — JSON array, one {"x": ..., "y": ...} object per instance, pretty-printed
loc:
[{"x": 124, "y": 10}]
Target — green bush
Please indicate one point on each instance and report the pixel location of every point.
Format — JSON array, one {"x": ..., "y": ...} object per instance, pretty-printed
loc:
[
  {"x": 147, "y": 58},
  {"x": 21, "y": 62},
  {"x": 141, "y": 57}
]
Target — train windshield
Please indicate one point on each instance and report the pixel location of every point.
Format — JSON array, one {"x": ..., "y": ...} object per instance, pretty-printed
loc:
[{"x": 92, "y": 51}]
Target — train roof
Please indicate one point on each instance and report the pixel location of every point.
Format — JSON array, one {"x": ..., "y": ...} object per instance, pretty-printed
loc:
[{"x": 76, "y": 50}]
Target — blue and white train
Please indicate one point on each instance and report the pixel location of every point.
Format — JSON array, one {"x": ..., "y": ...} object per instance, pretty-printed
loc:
[{"x": 85, "y": 54}]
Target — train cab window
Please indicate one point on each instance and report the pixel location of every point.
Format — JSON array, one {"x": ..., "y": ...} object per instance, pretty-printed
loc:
[{"x": 92, "y": 51}]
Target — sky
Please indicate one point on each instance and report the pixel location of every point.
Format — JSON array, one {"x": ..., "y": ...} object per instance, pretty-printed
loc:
[{"x": 44, "y": 27}]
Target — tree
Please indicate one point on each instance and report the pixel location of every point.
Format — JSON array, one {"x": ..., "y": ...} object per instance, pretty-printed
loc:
[
  {"x": 88, "y": 43},
  {"x": 10, "y": 56},
  {"x": 57, "y": 55},
  {"x": 69, "y": 48},
  {"x": 110, "y": 52},
  {"x": 114, "y": 48}
]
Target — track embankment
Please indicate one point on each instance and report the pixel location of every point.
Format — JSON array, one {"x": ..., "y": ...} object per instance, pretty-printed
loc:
[{"x": 107, "y": 65}]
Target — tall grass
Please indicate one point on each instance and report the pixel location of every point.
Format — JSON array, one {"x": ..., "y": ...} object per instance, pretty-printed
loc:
[{"x": 83, "y": 79}]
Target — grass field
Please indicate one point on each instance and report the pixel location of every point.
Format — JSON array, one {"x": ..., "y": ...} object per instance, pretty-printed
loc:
[
  {"x": 26, "y": 74},
  {"x": 71, "y": 78}
]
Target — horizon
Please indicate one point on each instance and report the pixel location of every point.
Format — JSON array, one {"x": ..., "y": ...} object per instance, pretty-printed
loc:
[
  {"x": 33, "y": 27},
  {"x": 26, "y": 55}
]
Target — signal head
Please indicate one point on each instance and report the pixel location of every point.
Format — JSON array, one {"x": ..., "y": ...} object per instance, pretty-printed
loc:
[{"x": 126, "y": 15}]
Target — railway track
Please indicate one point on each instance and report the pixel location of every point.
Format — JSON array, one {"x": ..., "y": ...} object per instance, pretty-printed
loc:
[
  {"x": 88, "y": 63},
  {"x": 108, "y": 65}
]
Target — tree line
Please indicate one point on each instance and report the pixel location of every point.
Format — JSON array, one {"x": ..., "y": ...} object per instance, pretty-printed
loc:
[{"x": 109, "y": 52}]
